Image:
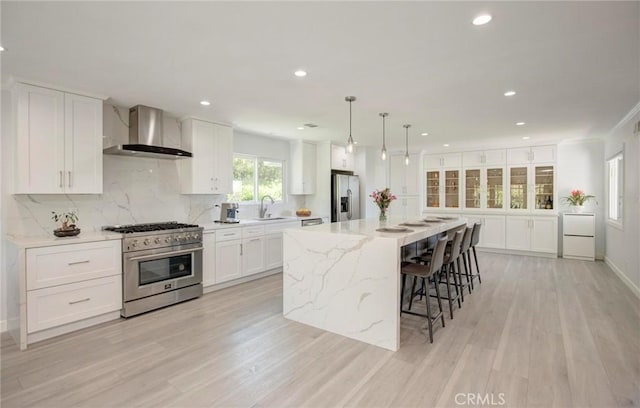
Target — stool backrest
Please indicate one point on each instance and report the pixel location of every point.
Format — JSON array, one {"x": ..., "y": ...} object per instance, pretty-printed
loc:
[
  {"x": 437, "y": 258},
  {"x": 455, "y": 245},
  {"x": 475, "y": 237},
  {"x": 466, "y": 241}
]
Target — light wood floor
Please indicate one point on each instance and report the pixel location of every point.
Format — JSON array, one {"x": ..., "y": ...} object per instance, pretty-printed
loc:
[{"x": 542, "y": 332}]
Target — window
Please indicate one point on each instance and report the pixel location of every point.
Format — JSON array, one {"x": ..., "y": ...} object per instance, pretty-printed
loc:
[
  {"x": 615, "y": 169},
  {"x": 254, "y": 177}
]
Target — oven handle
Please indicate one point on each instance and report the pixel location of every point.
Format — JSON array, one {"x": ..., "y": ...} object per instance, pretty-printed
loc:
[{"x": 165, "y": 254}]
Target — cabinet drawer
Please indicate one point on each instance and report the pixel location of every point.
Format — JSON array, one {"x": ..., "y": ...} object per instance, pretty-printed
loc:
[
  {"x": 578, "y": 247},
  {"x": 51, "y": 307},
  {"x": 254, "y": 231},
  {"x": 275, "y": 228},
  {"x": 228, "y": 234},
  {"x": 63, "y": 264},
  {"x": 578, "y": 224}
]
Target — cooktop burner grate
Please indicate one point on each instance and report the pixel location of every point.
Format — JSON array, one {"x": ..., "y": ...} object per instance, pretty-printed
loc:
[{"x": 158, "y": 226}]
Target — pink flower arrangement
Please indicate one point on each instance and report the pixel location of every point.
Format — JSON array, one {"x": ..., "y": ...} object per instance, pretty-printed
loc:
[
  {"x": 577, "y": 197},
  {"x": 383, "y": 199}
]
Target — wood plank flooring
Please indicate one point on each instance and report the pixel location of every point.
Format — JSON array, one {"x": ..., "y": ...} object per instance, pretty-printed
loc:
[{"x": 538, "y": 332}]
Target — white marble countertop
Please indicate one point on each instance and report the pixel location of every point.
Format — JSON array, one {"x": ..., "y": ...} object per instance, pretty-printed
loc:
[
  {"x": 212, "y": 226},
  {"x": 51, "y": 240},
  {"x": 368, "y": 227}
]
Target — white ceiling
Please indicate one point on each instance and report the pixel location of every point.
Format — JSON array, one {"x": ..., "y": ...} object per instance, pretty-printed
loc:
[{"x": 575, "y": 65}]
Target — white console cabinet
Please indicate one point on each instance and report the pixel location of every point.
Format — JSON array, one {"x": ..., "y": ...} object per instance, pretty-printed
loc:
[{"x": 578, "y": 236}]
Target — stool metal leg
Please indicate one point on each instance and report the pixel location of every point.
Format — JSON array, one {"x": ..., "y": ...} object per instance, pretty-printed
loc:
[
  {"x": 439, "y": 300},
  {"x": 475, "y": 256},
  {"x": 413, "y": 291}
]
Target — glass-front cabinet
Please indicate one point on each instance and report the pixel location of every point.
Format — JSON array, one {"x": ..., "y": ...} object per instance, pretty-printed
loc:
[
  {"x": 532, "y": 187},
  {"x": 484, "y": 188},
  {"x": 443, "y": 189}
]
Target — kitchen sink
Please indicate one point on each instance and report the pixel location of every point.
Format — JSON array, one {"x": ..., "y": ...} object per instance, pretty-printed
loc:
[{"x": 270, "y": 218}]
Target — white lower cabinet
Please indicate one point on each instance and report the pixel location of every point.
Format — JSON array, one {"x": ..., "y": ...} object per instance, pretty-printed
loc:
[
  {"x": 537, "y": 234},
  {"x": 68, "y": 287},
  {"x": 252, "y": 253},
  {"x": 492, "y": 231},
  {"x": 228, "y": 260},
  {"x": 273, "y": 250},
  {"x": 58, "y": 305},
  {"x": 208, "y": 258}
]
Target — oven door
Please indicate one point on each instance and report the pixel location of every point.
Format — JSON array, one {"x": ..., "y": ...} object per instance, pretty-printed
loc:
[{"x": 146, "y": 273}]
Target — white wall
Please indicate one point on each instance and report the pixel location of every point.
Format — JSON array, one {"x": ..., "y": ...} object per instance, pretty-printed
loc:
[
  {"x": 623, "y": 244},
  {"x": 580, "y": 165}
]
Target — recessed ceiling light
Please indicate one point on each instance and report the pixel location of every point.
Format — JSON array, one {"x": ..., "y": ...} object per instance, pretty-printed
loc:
[
  {"x": 1, "y": 48},
  {"x": 205, "y": 103},
  {"x": 424, "y": 134},
  {"x": 520, "y": 123},
  {"x": 482, "y": 19},
  {"x": 509, "y": 93},
  {"x": 355, "y": 142},
  {"x": 446, "y": 145},
  {"x": 300, "y": 73},
  {"x": 300, "y": 127},
  {"x": 525, "y": 137}
]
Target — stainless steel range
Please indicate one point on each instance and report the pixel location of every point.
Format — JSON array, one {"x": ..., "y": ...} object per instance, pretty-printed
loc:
[{"x": 161, "y": 265}]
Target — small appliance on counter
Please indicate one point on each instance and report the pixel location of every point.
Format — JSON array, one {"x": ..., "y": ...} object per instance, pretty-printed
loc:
[{"x": 229, "y": 213}]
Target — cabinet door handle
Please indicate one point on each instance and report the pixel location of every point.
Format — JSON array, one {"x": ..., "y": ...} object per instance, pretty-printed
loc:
[
  {"x": 240, "y": 249},
  {"x": 69, "y": 178},
  {"x": 79, "y": 301},
  {"x": 255, "y": 239},
  {"x": 61, "y": 179},
  {"x": 78, "y": 262},
  {"x": 229, "y": 234}
]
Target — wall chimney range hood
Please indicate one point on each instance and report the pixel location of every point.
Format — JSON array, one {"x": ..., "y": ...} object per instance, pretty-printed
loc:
[{"x": 145, "y": 136}]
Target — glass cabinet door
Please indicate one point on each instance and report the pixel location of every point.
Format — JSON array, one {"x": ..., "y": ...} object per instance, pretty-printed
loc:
[
  {"x": 433, "y": 189},
  {"x": 518, "y": 187},
  {"x": 544, "y": 187},
  {"x": 495, "y": 188},
  {"x": 472, "y": 188},
  {"x": 451, "y": 189}
]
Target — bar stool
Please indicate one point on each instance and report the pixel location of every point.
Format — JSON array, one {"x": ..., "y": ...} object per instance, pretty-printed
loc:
[
  {"x": 475, "y": 239},
  {"x": 464, "y": 254},
  {"x": 425, "y": 272},
  {"x": 449, "y": 270}
]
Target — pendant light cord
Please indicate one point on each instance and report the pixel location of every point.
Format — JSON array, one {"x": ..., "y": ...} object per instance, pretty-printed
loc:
[{"x": 350, "y": 118}]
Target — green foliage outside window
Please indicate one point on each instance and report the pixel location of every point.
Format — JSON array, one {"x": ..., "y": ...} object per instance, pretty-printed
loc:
[{"x": 254, "y": 177}]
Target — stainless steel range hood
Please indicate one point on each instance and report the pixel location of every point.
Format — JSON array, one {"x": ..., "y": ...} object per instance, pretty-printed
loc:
[{"x": 145, "y": 136}]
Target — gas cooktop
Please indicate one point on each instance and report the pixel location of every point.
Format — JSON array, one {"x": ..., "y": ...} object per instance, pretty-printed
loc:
[{"x": 157, "y": 226}]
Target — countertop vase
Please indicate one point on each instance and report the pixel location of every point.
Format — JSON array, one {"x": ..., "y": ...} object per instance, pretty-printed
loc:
[
  {"x": 577, "y": 209},
  {"x": 383, "y": 216}
]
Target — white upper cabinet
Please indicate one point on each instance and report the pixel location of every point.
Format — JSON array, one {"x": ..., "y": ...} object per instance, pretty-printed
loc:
[
  {"x": 446, "y": 160},
  {"x": 303, "y": 167},
  {"x": 403, "y": 179},
  {"x": 340, "y": 159},
  {"x": 210, "y": 170},
  {"x": 59, "y": 142},
  {"x": 536, "y": 154},
  {"x": 484, "y": 158}
]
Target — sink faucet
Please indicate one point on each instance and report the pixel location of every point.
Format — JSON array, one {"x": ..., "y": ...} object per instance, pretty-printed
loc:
[{"x": 263, "y": 208}]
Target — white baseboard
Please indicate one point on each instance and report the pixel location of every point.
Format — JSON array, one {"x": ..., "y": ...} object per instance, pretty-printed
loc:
[
  {"x": 244, "y": 279},
  {"x": 517, "y": 252},
  {"x": 3, "y": 326},
  {"x": 622, "y": 276}
]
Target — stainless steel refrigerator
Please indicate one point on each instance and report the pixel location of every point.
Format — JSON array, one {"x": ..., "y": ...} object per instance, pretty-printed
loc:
[{"x": 345, "y": 197}]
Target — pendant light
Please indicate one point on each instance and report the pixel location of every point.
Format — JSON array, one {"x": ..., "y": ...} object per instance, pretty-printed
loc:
[
  {"x": 406, "y": 154},
  {"x": 383, "y": 155},
  {"x": 350, "y": 140}
]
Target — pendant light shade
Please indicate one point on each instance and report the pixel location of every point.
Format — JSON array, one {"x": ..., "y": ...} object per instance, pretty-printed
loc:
[
  {"x": 406, "y": 154},
  {"x": 350, "y": 140},
  {"x": 383, "y": 154}
]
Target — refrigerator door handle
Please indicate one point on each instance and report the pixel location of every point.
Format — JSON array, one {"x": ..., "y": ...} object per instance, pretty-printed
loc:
[{"x": 349, "y": 213}]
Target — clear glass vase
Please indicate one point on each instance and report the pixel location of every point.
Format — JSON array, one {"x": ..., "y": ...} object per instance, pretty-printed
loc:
[{"x": 383, "y": 216}]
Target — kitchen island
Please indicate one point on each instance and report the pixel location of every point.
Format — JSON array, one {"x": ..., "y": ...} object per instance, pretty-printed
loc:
[{"x": 345, "y": 277}]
